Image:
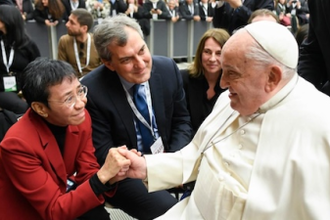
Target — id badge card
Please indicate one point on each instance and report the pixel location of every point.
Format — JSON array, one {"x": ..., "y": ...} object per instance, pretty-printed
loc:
[
  {"x": 157, "y": 147},
  {"x": 10, "y": 84}
]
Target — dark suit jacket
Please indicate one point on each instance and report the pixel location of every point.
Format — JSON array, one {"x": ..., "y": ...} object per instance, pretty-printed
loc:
[
  {"x": 199, "y": 106},
  {"x": 176, "y": 11},
  {"x": 314, "y": 60},
  {"x": 7, "y": 2},
  {"x": 185, "y": 13},
  {"x": 228, "y": 18},
  {"x": 119, "y": 6},
  {"x": 160, "y": 5},
  {"x": 33, "y": 172},
  {"x": 210, "y": 11},
  {"x": 68, "y": 9},
  {"x": 113, "y": 118}
]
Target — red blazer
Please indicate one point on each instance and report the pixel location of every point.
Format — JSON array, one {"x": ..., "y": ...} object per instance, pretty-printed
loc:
[{"x": 33, "y": 173}]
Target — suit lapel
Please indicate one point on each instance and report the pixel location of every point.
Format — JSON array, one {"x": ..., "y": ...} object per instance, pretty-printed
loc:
[
  {"x": 51, "y": 148},
  {"x": 121, "y": 104},
  {"x": 71, "y": 148},
  {"x": 156, "y": 88}
]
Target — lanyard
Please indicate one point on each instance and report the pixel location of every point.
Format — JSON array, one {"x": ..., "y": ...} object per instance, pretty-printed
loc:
[
  {"x": 77, "y": 55},
  {"x": 137, "y": 113},
  {"x": 4, "y": 56}
]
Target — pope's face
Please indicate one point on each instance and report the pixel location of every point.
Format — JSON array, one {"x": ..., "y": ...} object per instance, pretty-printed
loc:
[
  {"x": 133, "y": 61},
  {"x": 245, "y": 80}
]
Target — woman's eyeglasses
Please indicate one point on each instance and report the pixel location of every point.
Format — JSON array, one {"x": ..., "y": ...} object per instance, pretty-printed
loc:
[{"x": 72, "y": 99}]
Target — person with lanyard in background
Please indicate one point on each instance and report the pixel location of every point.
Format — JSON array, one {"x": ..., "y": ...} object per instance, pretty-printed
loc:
[
  {"x": 77, "y": 47},
  {"x": 233, "y": 14},
  {"x": 17, "y": 51},
  {"x": 136, "y": 100}
]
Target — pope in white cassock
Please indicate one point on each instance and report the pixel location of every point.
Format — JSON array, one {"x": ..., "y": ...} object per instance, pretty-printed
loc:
[{"x": 264, "y": 151}]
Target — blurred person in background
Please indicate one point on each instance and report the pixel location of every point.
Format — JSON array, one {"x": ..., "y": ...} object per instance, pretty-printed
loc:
[
  {"x": 49, "y": 12},
  {"x": 136, "y": 11},
  {"x": 17, "y": 51},
  {"x": 173, "y": 10},
  {"x": 262, "y": 15},
  {"x": 201, "y": 81},
  {"x": 100, "y": 9},
  {"x": 206, "y": 11},
  {"x": 189, "y": 10},
  {"x": 26, "y": 8},
  {"x": 77, "y": 47},
  {"x": 233, "y": 14},
  {"x": 314, "y": 59},
  {"x": 117, "y": 7},
  {"x": 155, "y": 9},
  {"x": 71, "y": 5}
]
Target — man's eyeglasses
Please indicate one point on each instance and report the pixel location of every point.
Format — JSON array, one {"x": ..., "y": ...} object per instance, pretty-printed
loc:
[{"x": 72, "y": 99}]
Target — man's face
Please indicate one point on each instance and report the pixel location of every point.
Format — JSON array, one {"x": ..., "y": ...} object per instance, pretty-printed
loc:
[
  {"x": 59, "y": 113},
  {"x": 133, "y": 61},
  {"x": 189, "y": 2},
  {"x": 73, "y": 27},
  {"x": 171, "y": 5},
  {"x": 245, "y": 80}
]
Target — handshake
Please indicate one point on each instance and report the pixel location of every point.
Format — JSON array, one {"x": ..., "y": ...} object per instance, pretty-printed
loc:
[{"x": 122, "y": 163}]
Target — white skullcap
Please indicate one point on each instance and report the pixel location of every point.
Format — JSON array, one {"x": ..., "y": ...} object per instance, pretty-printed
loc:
[{"x": 277, "y": 40}]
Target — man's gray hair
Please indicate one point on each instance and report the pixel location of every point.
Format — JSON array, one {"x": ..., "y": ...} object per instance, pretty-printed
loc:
[{"x": 112, "y": 30}]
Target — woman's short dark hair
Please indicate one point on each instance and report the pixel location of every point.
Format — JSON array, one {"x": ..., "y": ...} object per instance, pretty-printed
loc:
[{"x": 41, "y": 74}]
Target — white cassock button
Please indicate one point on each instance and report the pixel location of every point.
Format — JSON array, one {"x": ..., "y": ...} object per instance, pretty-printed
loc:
[
  {"x": 226, "y": 164},
  {"x": 221, "y": 178},
  {"x": 240, "y": 146},
  {"x": 242, "y": 132}
]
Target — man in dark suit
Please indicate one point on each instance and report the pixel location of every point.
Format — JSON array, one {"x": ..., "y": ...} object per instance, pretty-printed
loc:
[
  {"x": 47, "y": 165},
  {"x": 206, "y": 11},
  {"x": 117, "y": 6},
  {"x": 114, "y": 109},
  {"x": 156, "y": 8},
  {"x": 189, "y": 10},
  {"x": 314, "y": 59},
  {"x": 71, "y": 5},
  {"x": 232, "y": 14}
]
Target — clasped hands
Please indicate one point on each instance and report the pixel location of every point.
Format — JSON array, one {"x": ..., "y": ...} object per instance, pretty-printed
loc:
[{"x": 122, "y": 163}]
